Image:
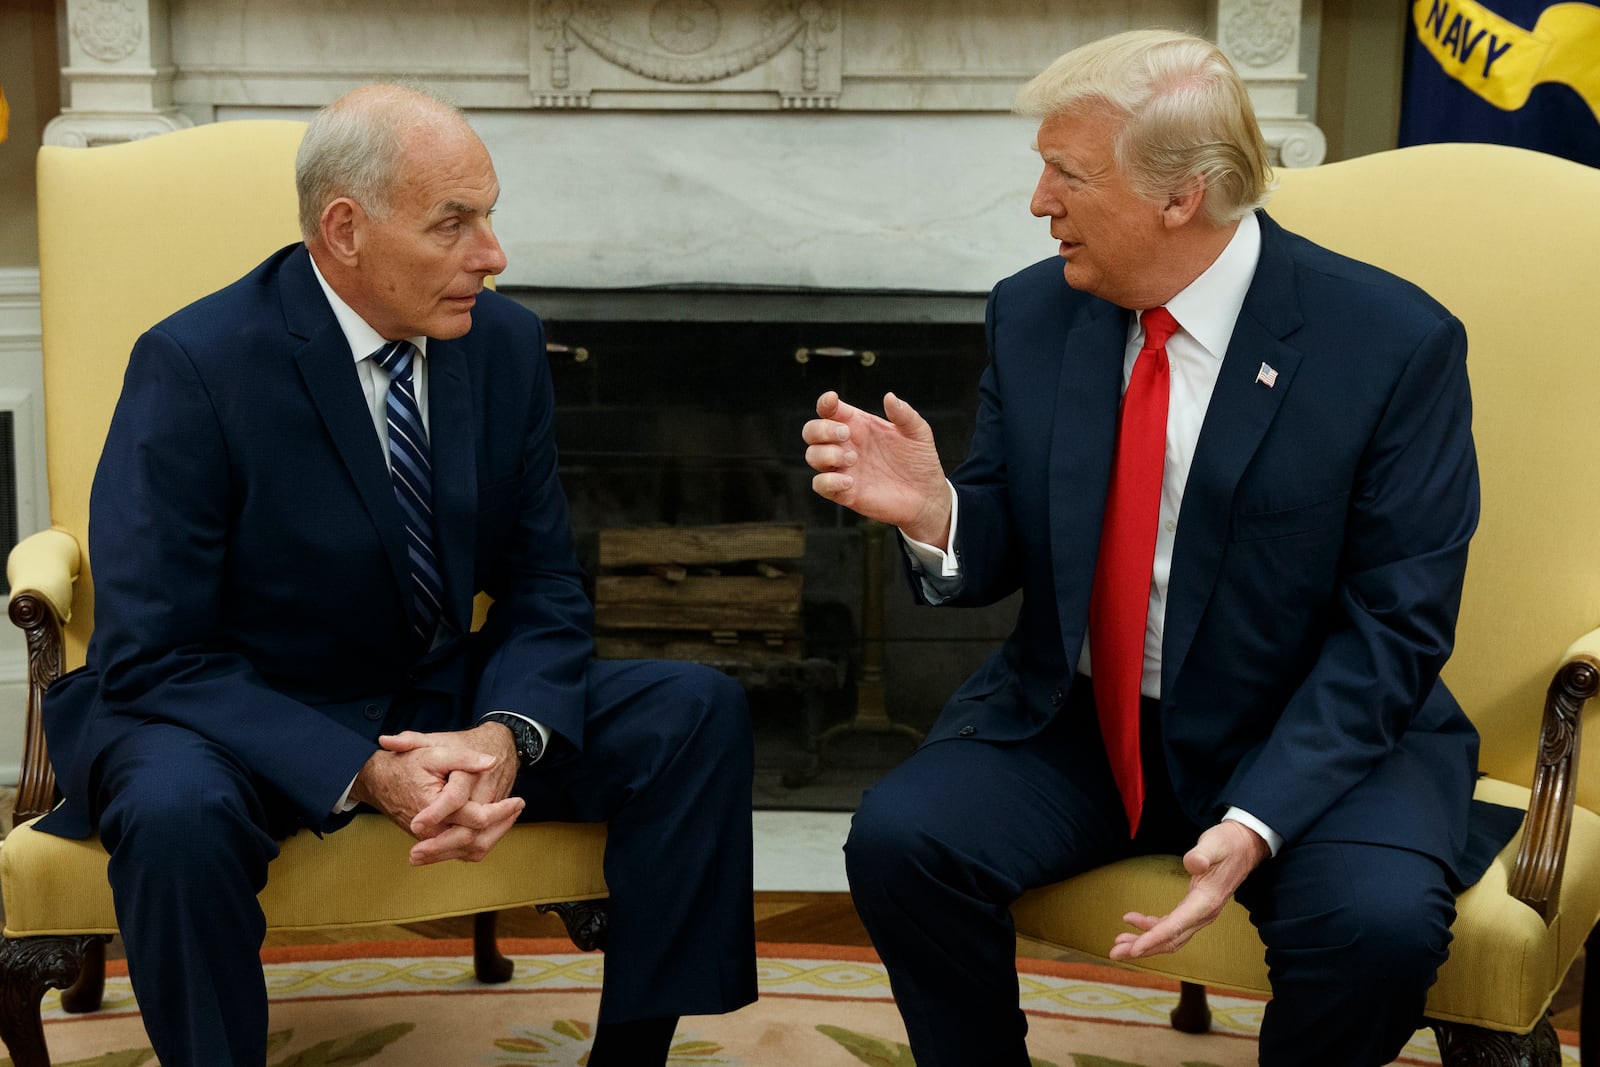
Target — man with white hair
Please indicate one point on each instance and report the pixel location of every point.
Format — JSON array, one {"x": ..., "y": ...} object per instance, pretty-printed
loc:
[{"x": 309, "y": 476}]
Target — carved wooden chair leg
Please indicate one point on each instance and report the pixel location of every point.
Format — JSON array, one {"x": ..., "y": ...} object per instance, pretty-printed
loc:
[
  {"x": 490, "y": 966},
  {"x": 585, "y": 921},
  {"x": 1193, "y": 1014},
  {"x": 1461, "y": 1045},
  {"x": 1589, "y": 1009},
  {"x": 29, "y": 966},
  {"x": 86, "y": 994}
]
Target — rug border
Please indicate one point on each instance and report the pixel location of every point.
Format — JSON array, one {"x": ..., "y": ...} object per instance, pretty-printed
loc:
[{"x": 799, "y": 950}]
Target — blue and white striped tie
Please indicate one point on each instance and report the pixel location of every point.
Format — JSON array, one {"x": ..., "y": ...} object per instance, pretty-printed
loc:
[{"x": 412, "y": 472}]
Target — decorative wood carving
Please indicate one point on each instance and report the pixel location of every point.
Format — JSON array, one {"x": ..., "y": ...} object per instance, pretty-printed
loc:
[
  {"x": 29, "y": 966},
  {"x": 1541, "y": 860},
  {"x": 585, "y": 921},
  {"x": 36, "y": 790},
  {"x": 1472, "y": 1046}
]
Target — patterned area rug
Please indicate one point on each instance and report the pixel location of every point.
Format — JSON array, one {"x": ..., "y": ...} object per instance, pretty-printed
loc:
[{"x": 417, "y": 1002}]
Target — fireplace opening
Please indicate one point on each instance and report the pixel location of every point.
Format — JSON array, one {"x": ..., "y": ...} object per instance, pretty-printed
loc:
[{"x": 682, "y": 425}]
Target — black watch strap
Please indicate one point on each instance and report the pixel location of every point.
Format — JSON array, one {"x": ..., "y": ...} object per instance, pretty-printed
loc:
[{"x": 530, "y": 746}]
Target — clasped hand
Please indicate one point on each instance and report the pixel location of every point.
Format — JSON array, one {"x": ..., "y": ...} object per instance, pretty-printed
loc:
[
  {"x": 1218, "y": 864},
  {"x": 449, "y": 790}
]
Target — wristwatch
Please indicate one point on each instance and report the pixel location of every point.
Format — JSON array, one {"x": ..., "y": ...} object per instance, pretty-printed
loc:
[{"x": 530, "y": 746}]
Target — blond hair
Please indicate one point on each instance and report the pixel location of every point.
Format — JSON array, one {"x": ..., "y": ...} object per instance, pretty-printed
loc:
[{"x": 1185, "y": 110}]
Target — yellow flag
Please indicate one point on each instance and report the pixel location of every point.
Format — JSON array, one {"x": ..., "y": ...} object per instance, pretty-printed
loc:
[
  {"x": 1502, "y": 62},
  {"x": 5, "y": 115}
]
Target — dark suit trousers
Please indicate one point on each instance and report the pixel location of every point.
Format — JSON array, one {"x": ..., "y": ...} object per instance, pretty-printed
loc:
[
  {"x": 947, "y": 841},
  {"x": 667, "y": 762}
]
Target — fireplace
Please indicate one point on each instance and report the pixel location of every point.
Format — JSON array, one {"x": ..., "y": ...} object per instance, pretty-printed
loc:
[
  {"x": 693, "y": 192},
  {"x": 696, "y": 422}
]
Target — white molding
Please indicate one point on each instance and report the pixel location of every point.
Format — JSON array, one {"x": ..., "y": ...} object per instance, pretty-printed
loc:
[
  {"x": 86, "y": 129},
  {"x": 1295, "y": 142},
  {"x": 19, "y": 302},
  {"x": 22, "y": 389},
  {"x": 20, "y": 377}
]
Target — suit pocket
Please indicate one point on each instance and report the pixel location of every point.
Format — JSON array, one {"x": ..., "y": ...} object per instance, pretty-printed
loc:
[{"x": 1322, "y": 514}]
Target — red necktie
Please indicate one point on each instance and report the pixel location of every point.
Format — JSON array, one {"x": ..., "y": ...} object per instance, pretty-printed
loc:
[{"x": 1120, "y": 601}]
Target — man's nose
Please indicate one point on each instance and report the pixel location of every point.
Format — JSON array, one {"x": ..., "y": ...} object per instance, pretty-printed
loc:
[
  {"x": 1044, "y": 203},
  {"x": 490, "y": 258}
]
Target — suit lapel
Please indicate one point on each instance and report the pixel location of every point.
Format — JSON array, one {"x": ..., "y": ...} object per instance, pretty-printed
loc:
[
  {"x": 1240, "y": 412},
  {"x": 1081, "y": 448},
  {"x": 329, "y": 373},
  {"x": 455, "y": 478}
]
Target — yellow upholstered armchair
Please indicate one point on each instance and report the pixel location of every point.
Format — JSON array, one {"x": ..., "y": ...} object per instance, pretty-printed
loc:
[
  {"x": 1510, "y": 241},
  {"x": 128, "y": 234}
]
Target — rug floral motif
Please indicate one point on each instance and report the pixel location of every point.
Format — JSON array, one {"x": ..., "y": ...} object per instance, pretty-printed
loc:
[{"x": 410, "y": 1002}]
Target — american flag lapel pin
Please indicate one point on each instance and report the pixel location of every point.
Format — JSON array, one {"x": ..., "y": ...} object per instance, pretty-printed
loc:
[{"x": 1266, "y": 376}]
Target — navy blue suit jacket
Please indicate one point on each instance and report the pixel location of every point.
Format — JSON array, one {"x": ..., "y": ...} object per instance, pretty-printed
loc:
[
  {"x": 248, "y": 552},
  {"x": 1318, "y": 561}
]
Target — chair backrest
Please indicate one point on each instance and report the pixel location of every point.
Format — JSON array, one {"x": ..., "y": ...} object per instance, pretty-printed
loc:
[
  {"x": 128, "y": 234},
  {"x": 1509, "y": 240}
]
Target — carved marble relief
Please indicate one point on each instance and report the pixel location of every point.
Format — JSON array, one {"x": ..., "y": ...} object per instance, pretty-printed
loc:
[
  {"x": 685, "y": 53},
  {"x": 118, "y": 75},
  {"x": 1259, "y": 33},
  {"x": 107, "y": 30}
]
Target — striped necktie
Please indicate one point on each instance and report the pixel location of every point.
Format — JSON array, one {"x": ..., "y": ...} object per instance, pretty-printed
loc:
[{"x": 412, "y": 471}]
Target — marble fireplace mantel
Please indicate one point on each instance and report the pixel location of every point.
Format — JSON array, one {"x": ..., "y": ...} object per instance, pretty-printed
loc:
[{"x": 801, "y": 144}]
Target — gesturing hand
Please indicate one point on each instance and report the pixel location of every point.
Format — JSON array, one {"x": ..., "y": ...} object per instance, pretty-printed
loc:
[
  {"x": 1217, "y": 866},
  {"x": 885, "y": 469}
]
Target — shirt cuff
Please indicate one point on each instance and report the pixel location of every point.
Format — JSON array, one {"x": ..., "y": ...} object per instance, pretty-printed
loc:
[
  {"x": 1273, "y": 839},
  {"x": 938, "y": 570},
  {"x": 345, "y": 803}
]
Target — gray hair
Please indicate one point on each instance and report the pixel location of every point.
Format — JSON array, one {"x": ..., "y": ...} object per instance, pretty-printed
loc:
[
  {"x": 356, "y": 145},
  {"x": 1186, "y": 115}
]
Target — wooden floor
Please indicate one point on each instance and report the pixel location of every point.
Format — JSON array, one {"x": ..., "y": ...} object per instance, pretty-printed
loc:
[{"x": 820, "y": 918}]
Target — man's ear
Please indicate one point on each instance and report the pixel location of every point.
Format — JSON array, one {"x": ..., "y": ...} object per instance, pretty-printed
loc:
[
  {"x": 1184, "y": 205},
  {"x": 342, "y": 224}
]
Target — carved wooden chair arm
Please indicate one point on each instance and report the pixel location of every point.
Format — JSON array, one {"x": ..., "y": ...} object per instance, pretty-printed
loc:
[
  {"x": 1536, "y": 876},
  {"x": 42, "y": 569}
]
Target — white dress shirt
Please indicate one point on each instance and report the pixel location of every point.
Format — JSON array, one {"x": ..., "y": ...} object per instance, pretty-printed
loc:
[
  {"x": 1206, "y": 311},
  {"x": 364, "y": 341}
]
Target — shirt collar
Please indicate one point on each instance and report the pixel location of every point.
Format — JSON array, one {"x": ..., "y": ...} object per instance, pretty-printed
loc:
[
  {"x": 1208, "y": 307},
  {"x": 362, "y": 339}
]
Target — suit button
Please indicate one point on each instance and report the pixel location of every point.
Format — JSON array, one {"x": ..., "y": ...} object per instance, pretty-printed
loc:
[
  {"x": 372, "y": 712},
  {"x": 1056, "y": 698},
  {"x": 968, "y": 731}
]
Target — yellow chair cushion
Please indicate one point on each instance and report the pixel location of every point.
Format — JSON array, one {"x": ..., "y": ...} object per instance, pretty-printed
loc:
[
  {"x": 1504, "y": 964},
  {"x": 358, "y": 876}
]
